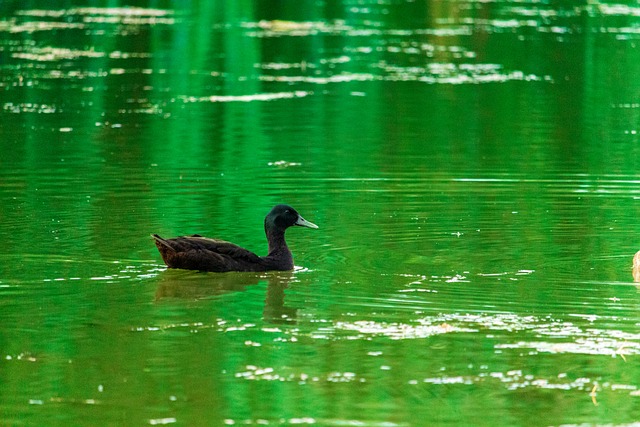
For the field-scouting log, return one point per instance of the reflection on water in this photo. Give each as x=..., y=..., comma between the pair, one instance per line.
x=373, y=49
x=474, y=164
x=187, y=284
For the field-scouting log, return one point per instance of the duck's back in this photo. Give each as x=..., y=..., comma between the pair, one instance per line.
x=205, y=254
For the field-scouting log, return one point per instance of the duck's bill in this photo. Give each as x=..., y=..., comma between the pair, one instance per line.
x=304, y=223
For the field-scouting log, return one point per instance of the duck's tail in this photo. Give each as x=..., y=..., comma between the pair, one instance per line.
x=160, y=241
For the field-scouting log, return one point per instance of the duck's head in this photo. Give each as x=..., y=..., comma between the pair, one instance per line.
x=282, y=217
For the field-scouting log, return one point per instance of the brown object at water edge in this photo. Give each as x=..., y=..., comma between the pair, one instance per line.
x=636, y=267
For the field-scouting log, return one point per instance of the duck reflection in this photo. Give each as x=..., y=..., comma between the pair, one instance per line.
x=189, y=285
x=636, y=267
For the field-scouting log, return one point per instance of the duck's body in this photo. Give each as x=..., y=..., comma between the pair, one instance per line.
x=205, y=254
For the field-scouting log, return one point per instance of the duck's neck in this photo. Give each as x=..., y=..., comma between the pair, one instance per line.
x=279, y=256
x=277, y=245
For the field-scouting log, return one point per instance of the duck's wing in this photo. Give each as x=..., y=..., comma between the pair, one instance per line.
x=199, y=243
x=202, y=253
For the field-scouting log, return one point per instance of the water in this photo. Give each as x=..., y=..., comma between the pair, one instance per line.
x=472, y=167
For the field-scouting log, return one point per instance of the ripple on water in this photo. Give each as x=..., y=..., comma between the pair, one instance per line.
x=248, y=98
x=507, y=331
x=315, y=421
x=79, y=270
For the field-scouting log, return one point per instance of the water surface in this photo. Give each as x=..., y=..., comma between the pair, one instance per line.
x=472, y=167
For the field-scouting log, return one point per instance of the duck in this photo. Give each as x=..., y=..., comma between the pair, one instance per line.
x=200, y=253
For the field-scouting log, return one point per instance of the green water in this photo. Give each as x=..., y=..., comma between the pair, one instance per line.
x=473, y=167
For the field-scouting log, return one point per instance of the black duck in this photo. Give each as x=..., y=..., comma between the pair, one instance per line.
x=205, y=254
